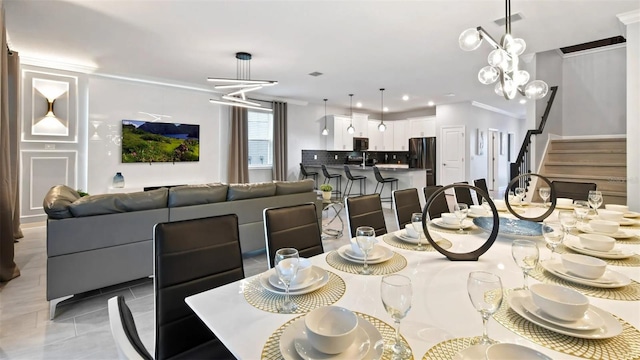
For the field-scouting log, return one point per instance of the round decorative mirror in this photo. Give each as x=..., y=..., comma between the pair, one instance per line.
x=524, y=180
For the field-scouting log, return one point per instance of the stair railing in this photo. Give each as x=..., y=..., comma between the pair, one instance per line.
x=522, y=165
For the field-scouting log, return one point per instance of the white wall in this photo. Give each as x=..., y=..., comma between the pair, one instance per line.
x=473, y=117
x=112, y=100
x=549, y=69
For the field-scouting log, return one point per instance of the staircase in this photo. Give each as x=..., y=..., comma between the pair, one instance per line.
x=601, y=161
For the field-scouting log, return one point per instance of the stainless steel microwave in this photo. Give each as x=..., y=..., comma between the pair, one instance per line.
x=360, y=144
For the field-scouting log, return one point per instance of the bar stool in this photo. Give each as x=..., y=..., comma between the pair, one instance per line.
x=327, y=179
x=306, y=174
x=351, y=179
x=384, y=180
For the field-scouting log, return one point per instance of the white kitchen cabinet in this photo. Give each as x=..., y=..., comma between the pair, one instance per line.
x=360, y=123
x=422, y=126
x=400, y=135
x=339, y=138
x=375, y=136
x=388, y=136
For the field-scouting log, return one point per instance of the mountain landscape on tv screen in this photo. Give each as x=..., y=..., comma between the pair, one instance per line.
x=144, y=141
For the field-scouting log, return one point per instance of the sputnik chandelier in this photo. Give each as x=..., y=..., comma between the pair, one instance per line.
x=503, y=62
x=241, y=85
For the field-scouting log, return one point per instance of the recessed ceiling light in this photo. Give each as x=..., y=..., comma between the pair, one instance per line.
x=523, y=101
x=405, y=97
x=386, y=109
x=359, y=104
x=450, y=94
x=430, y=103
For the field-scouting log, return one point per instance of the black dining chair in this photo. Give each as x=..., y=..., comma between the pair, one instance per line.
x=439, y=204
x=382, y=181
x=305, y=174
x=123, y=329
x=351, y=179
x=463, y=194
x=365, y=210
x=292, y=226
x=405, y=202
x=482, y=185
x=192, y=256
x=573, y=190
x=327, y=179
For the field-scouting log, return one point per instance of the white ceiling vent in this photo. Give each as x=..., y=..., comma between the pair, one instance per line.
x=514, y=17
x=315, y=73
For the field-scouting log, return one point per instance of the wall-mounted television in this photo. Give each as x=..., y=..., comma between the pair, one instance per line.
x=149, y=141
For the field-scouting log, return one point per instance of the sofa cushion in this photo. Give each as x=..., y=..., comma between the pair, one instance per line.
x=197, y=194
x=294, y=187
x=119, y=203
x=250, y=191
x=57, y=200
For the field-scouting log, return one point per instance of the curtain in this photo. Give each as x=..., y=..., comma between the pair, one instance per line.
x=238, y=168
x=9, y=205
x=279, y=140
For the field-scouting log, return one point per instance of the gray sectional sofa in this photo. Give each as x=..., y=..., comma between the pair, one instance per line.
x=102, y=240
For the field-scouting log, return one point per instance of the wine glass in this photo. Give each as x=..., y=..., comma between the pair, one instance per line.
x=396, y=292
x=553, y=235
x=581, y=209
x=595, y=199
x=568, y=220
x=286, y=264
x=526, y=255
x=485, y=292
x=519, y=193
x=460, y=210
x=416, y=221
x=544, y=193
x=366, y=238
x=485, y=205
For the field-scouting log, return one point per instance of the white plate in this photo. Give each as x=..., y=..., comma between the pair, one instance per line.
x=590, y=320
x=486, y=213
x=631, y=214
x=466, y=223
x=294, y=344
x=575, y=245
x=503, y=351
x=620, y=234
x=475, y=352
x=610, y=279
x=264, y=281
x=564, y=207
x=611, y=327
x=316, y=275
x=402, y=235
x=622, y=222
x=376, y=253
x=388, y=254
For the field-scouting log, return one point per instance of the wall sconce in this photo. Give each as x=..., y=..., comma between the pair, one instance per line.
x=50, y=108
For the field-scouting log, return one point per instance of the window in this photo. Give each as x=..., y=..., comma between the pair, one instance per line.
x=260, y=138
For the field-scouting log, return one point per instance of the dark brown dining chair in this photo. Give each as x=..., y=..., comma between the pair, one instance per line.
x=292, y=226
x=482, y=185
x=573, y=190
x=439, y=204
x=463, y=194
x=123, y=329
x=405, y=203
x=192, y=256
x=365, y=210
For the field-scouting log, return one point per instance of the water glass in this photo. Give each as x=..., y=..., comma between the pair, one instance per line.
x=366, y=238
x=519, y=193
x=396, y=292
x=460, y=210
x=416, y=222
x=286, y=263
x=568, y=220
x=581, y=208
x=526, y=255
x=485, y=292
x=544, y=193
x=595, y=199
x=553, y=234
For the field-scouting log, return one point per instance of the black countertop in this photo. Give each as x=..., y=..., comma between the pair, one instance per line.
x=384, y=167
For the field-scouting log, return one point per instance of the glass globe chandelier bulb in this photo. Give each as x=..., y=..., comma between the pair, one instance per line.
x=507, y=42
x=509, y=88
x=537, y=89
x=498, y=89
x=470, y=39
x=517, y=47
x=488, y=75
x=351, y=129
x=325, y=132
x=382, y=127
x=498, y=58
x=521, y=77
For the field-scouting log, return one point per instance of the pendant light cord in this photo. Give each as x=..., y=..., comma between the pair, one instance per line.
x=351, y=107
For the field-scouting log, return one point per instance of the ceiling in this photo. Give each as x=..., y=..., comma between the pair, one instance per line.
x=407, y=47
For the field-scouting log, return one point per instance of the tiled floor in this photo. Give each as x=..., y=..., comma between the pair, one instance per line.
x=81, y=327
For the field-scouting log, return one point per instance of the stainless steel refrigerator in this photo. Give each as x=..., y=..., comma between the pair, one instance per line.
x=422, y=155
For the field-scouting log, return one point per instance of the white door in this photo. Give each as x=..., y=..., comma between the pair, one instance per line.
x=493, y=151
x=452, y=154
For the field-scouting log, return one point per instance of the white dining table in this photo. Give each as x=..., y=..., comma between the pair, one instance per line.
x=440, y=310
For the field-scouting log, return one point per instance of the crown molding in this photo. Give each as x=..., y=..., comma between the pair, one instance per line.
x=495, y=110
x=57, y=64
x=630, y=17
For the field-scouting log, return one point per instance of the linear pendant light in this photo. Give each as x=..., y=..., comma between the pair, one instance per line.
x=351, y=129
x=241, y=85
x=325, y=132
x=382, y=126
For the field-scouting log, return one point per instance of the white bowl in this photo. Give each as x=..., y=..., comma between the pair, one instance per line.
x=597, y=242
x=331, y=329
x=503, y=351
x=411, y=231
x=610, y=215
x=558, y=301
x=616, y=207
x=584, y=266
x=477, y=210
x=304, y=271
x=449, y=218
x=564, y=202
x=500, y=204
x=604, y=226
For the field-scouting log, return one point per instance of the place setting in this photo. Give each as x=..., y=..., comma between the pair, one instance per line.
x=455, y=222
x=605, y=227
x=412, y=237
x=293, y=286
x=603, y=247
x=363, y=256
x=333, y=332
